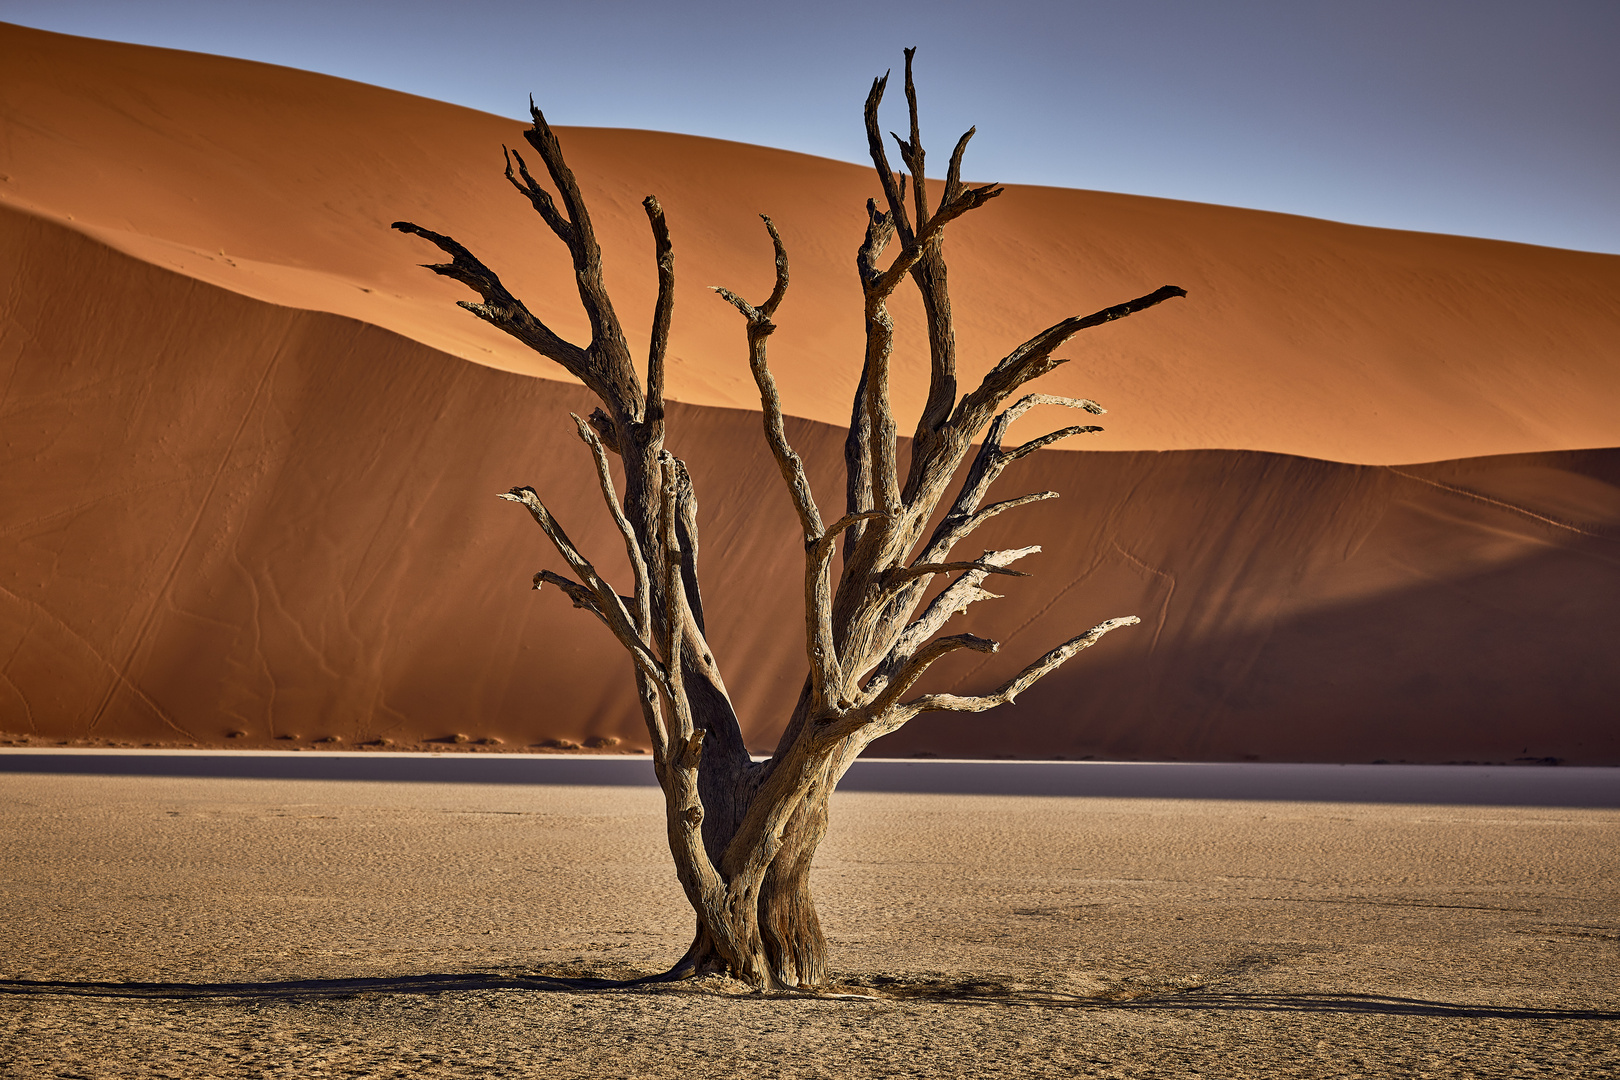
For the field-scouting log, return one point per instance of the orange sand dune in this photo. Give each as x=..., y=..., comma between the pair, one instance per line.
x=1300, y=336
x=253, y=491
x=220, y=515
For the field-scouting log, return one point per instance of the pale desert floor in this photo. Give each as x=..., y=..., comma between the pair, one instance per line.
x=197, y=927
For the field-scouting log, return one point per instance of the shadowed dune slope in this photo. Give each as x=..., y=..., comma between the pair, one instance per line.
x=247, y=471
x=1300, y=336
x=217, y=514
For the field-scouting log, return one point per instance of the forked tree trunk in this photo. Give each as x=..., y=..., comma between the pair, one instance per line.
x=744, y=834
x=790, y=943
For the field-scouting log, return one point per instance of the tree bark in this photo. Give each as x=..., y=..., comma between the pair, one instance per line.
x=790, y=940
x=744, y=834
x=794, y=942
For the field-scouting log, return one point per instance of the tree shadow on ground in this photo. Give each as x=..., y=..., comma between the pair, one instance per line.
x=1209, y=999
x=312, y=988
x=981, y=992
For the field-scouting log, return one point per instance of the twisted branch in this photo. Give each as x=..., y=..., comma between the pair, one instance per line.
x=912, y=253
x=953, y=600
x=682, y=760
x=682, y=726
x=538, y=196
x=826, y=672
x=880, y=230
x=686, y=529
x=500, y=308
x=893, y=186
x=911, y=152
x=579, y=594
x=915, y=667
x=988, y=465
x=918, y=570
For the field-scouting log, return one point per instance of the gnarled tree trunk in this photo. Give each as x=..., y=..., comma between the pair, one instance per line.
x=743, y=833
x=791, y=945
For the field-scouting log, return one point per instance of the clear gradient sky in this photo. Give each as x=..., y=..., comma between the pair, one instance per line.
x=1479, y=117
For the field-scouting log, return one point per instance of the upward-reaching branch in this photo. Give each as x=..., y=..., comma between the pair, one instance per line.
x=924, y=260
x=914, y=252
x=632, y=547
x=686, y=531
x=911, y=152
x=608, y=603
x=953, y=174
x=604, y=365
x=884, y=700
x=965, y=515
x=760, y=328
x=1033, y=358
x=879, y=419
x=681, y=727
x=607, y=337
x=858, y=442
x=628, y=424
x=880, y=456
x=538, y=196
x=663, y=311
x=893, y=189
x=954, y=599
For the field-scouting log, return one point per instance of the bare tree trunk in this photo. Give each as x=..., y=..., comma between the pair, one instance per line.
x=790, y=939
x=790, y=936
x=787, y=912
x=743, y=834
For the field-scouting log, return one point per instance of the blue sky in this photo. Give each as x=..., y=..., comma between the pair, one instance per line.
x=1481, y=117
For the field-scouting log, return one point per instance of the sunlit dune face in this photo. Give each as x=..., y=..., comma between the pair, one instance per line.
x=1299, y=336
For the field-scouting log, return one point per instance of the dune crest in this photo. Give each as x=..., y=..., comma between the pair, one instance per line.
x=1306, y=337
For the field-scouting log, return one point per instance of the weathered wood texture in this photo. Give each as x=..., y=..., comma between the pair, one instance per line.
x=743, y=834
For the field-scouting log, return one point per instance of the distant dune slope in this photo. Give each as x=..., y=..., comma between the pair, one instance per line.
x=1300, y=336
x=241, y=492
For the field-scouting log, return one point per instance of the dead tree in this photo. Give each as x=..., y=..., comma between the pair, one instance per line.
x=743, y=833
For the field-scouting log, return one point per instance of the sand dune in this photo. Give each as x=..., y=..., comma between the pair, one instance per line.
x=1301, y=336
x=247, y=476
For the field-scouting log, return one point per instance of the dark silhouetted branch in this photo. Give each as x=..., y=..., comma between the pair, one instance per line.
x=500, y=308
x=538, y=196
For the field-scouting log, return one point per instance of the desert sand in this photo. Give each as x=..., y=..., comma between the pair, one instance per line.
x=320, y=928
x=1360, y=486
